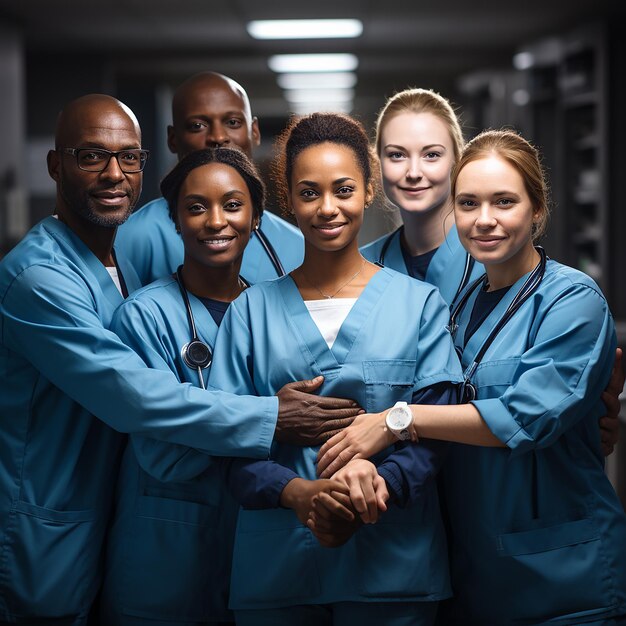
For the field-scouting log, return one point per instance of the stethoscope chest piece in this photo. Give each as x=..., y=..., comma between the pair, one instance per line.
x=196, y=354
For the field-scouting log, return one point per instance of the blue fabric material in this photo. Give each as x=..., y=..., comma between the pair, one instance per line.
x=445, y=270
x=169, y=549
x=538, y=533
x=60, y=369
x=154, y=248
x=268, y=338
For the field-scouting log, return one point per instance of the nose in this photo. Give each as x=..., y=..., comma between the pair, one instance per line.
x=217, y=136
x=485, y=218
x=414, y=171
x=113, y=171
x=327, y=207
x=216, y=219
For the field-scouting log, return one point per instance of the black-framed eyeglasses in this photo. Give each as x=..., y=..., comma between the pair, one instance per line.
x=97, y=159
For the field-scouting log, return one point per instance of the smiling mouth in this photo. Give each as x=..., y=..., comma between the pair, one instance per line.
x=487, y=241
x=110, y=198
x=413, y=189
x=330, y=229
x=216, y=242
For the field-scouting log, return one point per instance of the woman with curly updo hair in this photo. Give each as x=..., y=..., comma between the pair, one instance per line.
x=378, y=337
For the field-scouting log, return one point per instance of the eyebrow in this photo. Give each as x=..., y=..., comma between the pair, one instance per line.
x=225, y=114
x=98, y=146
x=228, y=194
x=497, y=193
x=312, y=183
x=428, y=147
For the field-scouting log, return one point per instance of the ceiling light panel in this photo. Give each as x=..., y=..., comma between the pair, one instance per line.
x=296, y=63
x=305, y=29
x=334, y=80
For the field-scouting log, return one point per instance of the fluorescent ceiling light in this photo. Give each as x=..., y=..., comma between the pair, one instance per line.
x=302, y=108
x=304, y=29
x=282, y=63
x=319, y=95
x=334, y=80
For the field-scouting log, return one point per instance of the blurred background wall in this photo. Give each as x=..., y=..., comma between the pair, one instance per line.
x=553, y=70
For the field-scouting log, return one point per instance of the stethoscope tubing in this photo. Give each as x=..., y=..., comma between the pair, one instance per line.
x=531, y=284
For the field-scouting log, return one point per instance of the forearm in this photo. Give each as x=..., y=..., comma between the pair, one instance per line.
x=461, y=423
x=257, y=484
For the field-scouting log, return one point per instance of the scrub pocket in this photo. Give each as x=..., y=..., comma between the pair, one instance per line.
x=50, y=561
x=565, y=558
x=493, y=378
x=387, y=382
x=274, y=561
x=177, y=559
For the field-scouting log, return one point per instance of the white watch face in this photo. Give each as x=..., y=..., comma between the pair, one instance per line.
x=399, y=418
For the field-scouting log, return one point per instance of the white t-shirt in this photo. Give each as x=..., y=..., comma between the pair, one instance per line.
x=329, y=314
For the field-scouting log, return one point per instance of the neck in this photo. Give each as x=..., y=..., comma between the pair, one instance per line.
x=99, y=239
x=327, y=271
x=425, y=231
x=505, y=274
x=216, y=283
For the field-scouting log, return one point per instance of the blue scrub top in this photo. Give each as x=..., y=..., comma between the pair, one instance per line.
x=538, y=533
x=67, y=385
x=150, y=241
x=268, y=338
x=169, y=550
x=445, y=270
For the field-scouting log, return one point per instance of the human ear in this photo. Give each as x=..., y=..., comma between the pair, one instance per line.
x=171, y=140
x=256, y=133
x=369, y=195
x=53, y=162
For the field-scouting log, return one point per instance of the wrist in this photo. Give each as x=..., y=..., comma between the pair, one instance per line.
x=399, y=421
x=291, y=493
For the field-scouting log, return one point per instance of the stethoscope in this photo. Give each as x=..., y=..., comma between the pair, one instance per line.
x=196, y=353
x=271, y=253
x=468, y=390
x=467, y=270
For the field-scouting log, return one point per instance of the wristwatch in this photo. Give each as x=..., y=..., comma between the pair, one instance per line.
x=398, y=419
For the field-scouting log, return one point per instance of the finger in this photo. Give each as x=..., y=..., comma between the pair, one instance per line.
x=335, y=439
x=616, y=383
x=330, y=450
x=306, y=386
x=607, y=449
x=371, y=500
x=382, y=494
x=609, y=425
x=359, y=501
x=343, y=458
x=328, y=507
x=339, y=423
x=331, y=404
x=612, y=404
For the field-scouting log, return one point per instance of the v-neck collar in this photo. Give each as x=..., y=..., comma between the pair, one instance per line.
x=84, y=256
x=307, y=332
x=480, y=335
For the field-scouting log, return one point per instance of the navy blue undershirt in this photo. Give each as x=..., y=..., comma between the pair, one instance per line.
x=486, y=301
x=417, y=266
x=216, y=308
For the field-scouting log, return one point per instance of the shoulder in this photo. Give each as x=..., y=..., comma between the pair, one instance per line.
x=157, y=294
x=36, y=257
x=372, y=249
x=561, y=278
x=412, y=285
x=272, y=224
x=150, y=210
